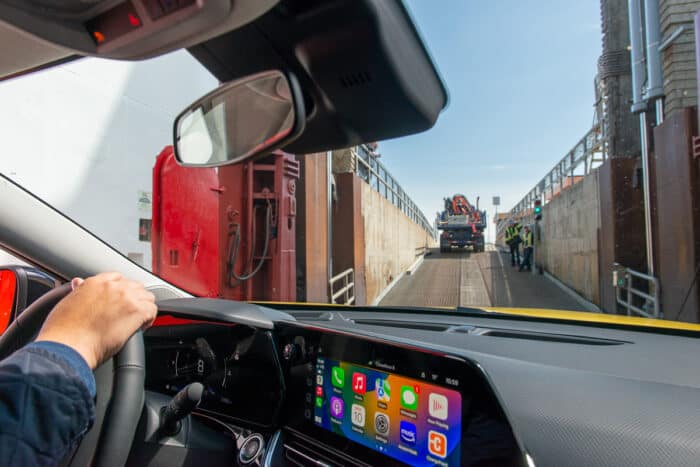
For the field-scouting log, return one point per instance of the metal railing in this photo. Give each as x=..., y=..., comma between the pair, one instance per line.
x=369, y=169
x=636, y=292
x=588, y=153
x=347, y=291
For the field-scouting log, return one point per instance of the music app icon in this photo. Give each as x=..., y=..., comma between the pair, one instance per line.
x=437, y=406
x=359, y=383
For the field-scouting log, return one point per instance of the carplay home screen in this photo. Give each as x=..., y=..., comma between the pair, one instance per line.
x=410, y=420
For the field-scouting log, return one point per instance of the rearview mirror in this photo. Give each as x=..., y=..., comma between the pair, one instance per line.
x=240, y=120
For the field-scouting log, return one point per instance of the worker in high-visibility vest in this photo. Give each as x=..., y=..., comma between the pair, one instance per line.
x=528, y=245
x=513, y=240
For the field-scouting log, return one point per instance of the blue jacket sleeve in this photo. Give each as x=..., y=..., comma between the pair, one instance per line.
x=46, y=404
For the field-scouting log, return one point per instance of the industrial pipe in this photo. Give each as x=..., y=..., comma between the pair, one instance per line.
x=646, y=191
x=652, y=27
x=639, y=105
x=636, y=55
x=329, y=220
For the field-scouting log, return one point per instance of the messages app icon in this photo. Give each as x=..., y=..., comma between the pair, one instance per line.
x=338, y=377
x=409, y=398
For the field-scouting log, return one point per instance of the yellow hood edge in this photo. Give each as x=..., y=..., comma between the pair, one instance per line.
x=579, y=316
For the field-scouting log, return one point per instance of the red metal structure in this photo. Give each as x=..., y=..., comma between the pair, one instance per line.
x=227, y=232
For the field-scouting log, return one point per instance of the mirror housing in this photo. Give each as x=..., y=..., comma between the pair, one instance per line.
x=20, y=286
x=240, y=120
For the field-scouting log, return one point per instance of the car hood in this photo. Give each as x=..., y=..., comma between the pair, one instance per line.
x=574, y=317
x=590, y=317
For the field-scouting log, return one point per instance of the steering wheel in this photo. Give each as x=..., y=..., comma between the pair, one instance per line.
x=119, y=381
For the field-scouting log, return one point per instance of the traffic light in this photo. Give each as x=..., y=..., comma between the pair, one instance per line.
x=538, y=209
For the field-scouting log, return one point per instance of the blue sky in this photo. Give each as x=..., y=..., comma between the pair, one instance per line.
x=520, y=77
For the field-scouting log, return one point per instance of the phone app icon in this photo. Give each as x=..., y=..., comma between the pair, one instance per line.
x=359, y=383
x=358, y=415
x=319, y=402
x=338, y=377
x=437, y=406
x=407, y=432
x=319, y=380
x=337, y=407
x=319, y=390
x=383, y=389
x=381, y=423
x=409, y=398
x=437, y=444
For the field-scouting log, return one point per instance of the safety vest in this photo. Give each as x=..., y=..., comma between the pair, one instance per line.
x=528, y=239
x=509, y=234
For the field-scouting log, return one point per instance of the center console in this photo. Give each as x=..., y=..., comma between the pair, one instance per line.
x=355, y=401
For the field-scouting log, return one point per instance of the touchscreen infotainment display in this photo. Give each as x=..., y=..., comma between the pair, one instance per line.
x=410, y=420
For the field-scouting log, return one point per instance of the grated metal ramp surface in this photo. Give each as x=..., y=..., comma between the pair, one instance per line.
x=463, y=278
x=435, y=283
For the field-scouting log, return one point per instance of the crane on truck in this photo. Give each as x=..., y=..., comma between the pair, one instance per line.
x=462, y=224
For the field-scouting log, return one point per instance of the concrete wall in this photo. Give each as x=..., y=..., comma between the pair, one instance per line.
x=391, y=240
x=569, y=245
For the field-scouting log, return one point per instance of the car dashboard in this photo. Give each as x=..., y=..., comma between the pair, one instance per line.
x=343, y=386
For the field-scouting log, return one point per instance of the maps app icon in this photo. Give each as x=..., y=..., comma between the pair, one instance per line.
x=383, y=389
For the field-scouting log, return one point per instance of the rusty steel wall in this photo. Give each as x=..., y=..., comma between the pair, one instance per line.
x=621, y=237
x=677, y=231
x=312, y=230
x=349, y=232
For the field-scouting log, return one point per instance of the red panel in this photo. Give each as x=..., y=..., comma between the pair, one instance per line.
x=198, y=213
x=169, y=320
x=185, y=241
x=8, y=286
x=248, y=191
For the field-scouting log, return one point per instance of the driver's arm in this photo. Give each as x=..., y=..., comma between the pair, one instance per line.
x=47, y=388
x=46, y=404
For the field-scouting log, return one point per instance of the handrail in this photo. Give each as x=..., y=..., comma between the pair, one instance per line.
x=348, y=279
x=624, y=281
x=369, y=169
x=590, y=151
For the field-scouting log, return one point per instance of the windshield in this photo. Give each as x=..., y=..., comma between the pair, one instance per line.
x=559, y=177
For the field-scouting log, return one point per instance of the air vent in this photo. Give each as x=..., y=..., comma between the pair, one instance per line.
x=351, y=80
x=541, y=336
x=303, y=451
x=491, y=332
x=299, y=456
x=313, y=315
x=164, y=293
x=419, y=325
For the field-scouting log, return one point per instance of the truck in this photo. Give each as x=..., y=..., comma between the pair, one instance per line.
x=462, y=224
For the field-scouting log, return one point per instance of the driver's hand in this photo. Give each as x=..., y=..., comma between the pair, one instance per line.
x=99, y=316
